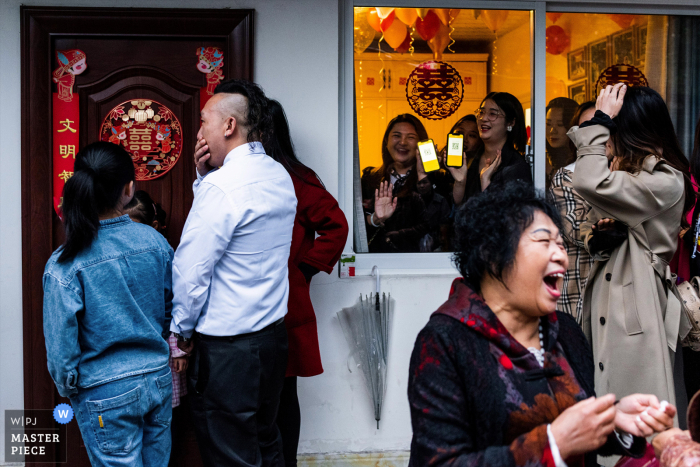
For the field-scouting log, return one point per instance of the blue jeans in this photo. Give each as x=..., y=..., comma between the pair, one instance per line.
x=127, y=422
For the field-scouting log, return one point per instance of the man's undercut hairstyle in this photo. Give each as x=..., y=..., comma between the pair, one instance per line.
x=489, y=226
x=256, y=119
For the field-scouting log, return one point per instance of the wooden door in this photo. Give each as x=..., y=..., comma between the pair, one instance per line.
x=131, y=54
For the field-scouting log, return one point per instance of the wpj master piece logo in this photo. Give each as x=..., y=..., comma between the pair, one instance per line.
x=37, y=435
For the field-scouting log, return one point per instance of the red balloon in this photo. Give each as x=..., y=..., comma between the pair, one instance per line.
x=386, y=22
x=428, y=26
x=405, y=45
x=557, y=40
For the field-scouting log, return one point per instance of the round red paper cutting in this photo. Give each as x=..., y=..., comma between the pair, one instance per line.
x=149, y=131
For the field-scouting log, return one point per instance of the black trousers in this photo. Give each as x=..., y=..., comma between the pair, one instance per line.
x=234, y=389
x=289, y=421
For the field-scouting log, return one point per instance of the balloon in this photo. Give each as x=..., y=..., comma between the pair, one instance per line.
x=364, y=34
x=395, y=35
x=557, y=40
x=494, y=19
x=407, y=15
x=443, y=14
x=384, y=12
x=428, y=26
x=439, y=42
x=553, y=17
x=422, y=12
x=373, y=20
x=624, y=21
x=387, y=22
x=405, y=45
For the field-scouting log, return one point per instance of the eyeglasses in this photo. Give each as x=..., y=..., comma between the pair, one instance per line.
x=490, y=115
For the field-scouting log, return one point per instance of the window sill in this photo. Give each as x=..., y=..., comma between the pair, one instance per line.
x=405, y=264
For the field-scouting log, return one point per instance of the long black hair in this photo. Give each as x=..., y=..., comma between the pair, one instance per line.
x=644, y=127
x=101, y=171
x=511, y=106
x=280, y=146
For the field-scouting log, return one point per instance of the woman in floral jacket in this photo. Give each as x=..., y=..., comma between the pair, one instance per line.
x=497, y=377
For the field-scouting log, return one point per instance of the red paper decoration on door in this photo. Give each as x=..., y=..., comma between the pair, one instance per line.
x=149, y=131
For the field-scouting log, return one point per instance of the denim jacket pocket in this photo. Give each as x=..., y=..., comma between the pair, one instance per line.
x=116, y=421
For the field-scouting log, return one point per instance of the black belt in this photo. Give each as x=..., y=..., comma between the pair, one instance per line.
x=205, y=337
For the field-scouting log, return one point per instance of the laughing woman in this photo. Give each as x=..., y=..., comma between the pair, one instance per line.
x=497, y=377
x=394, y=212
x=501, y=124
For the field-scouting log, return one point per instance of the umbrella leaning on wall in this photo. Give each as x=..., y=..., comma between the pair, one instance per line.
x=366, y=329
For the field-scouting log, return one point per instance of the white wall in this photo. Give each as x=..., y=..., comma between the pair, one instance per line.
x=296, y=61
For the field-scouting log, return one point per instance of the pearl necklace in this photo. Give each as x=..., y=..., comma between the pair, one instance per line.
x=539, y=353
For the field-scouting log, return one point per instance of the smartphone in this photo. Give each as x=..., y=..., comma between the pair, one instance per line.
x=428, y=155
x=454, y=150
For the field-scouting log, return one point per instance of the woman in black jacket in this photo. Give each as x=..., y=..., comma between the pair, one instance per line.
x=501, y=124
x=497, y=378
x=394, y=212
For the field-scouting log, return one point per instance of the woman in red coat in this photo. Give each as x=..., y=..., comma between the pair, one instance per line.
x=317, y=213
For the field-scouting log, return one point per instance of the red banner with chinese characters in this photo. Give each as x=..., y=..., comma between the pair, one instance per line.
x=65, y=144
x=66, y=118
x=211, y=62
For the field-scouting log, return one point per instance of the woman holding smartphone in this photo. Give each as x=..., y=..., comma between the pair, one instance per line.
x=394, y=211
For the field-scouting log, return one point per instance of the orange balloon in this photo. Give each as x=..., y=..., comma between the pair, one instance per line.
x=407, y=15
x=384, y=12
x=422, y=12
x=443, y=14
x=438, y=43
x=373, y=20
x=494, y=19
x=385, y=23
x=553, y=17
x=395, y=34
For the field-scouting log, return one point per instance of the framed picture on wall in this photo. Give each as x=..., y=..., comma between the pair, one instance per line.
x=640, y=43
x=579, y=91
x=598, y=58
x=577, y=64
x=623, y=47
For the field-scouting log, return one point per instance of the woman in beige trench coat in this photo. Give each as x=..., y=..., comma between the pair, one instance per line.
x=630, y=313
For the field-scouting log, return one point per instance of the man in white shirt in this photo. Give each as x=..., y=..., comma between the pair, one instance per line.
x=230, y=282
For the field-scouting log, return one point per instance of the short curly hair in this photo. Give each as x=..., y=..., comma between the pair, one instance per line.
x=488, y=228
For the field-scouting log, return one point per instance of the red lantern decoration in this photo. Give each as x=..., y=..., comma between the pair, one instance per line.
x=557, y=40
x=428, y=26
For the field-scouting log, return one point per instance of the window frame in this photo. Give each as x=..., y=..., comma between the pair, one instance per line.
x=441, y=263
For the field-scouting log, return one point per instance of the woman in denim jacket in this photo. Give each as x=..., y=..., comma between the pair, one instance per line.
x=107, y=305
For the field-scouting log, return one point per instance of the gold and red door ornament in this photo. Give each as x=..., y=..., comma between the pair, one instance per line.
x=434, y=90
x=211, y=62
x=149, y=131
x=621, y=73
x=66, y=119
